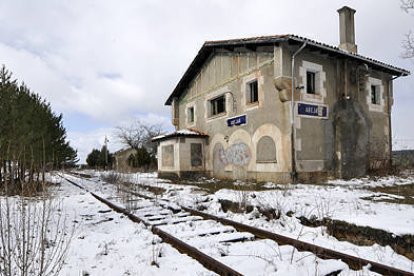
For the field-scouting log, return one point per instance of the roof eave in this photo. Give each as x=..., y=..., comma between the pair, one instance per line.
x=382, y=66
x=208, y=47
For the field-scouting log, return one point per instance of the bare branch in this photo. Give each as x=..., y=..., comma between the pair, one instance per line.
x=139, y=134
x=133, y=135
x=407, y=5
x=408, y=45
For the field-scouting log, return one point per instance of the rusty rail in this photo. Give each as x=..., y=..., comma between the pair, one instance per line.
x=322, y=252
x=212, y=264
x=205, y=260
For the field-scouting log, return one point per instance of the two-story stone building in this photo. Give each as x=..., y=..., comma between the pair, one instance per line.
x=239, y=115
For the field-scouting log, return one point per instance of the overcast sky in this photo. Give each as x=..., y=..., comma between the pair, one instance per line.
x=105, y=63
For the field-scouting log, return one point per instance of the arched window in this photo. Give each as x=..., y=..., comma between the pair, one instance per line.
x=266, y=150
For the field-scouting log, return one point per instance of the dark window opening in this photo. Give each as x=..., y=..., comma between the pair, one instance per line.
x=218, y=105
x=374, y=94
x=310, y=82
x=190, y=114
x=252, y=92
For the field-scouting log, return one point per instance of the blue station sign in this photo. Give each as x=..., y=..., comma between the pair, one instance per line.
x=236, y=121
x=312, y=110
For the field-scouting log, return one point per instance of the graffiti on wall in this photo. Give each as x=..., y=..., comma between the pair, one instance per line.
x=237, y=154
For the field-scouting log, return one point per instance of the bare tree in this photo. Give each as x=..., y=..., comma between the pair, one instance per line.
x=139, y=135
x=407, y=5
x=408, y=42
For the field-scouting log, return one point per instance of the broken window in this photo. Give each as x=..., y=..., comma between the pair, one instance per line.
x=196, y=155
x=218, y=105
x=310, y=82
x=252, y=92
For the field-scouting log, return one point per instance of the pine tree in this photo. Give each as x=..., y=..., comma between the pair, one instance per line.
x=32, y=137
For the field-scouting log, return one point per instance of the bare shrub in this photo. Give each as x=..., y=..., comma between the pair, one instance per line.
x=33, y=236
x=112, y=177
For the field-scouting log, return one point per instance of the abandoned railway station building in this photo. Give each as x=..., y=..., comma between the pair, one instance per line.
x=281, y=108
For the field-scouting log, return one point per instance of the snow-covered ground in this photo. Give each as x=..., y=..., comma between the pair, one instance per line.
x=107, y=243
x=340, y=200
x=109, y=235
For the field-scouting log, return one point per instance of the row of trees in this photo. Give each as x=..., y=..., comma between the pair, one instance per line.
x=34, y=237
x=100, y=158
x=32, y=136
x=136, y=136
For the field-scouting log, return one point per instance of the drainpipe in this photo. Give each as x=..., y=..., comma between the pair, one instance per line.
x=292, y=117
x=390, y=87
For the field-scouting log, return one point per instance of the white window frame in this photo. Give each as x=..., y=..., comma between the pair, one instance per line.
x=211, y=107
x=245, y=104
x=320, y=78
x=223, y=91
x=375, y=107
x=249, y=92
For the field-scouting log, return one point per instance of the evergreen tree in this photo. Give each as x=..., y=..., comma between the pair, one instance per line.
x=141, y=159
x=32, y=136
x=100, y=158
x=93, y=158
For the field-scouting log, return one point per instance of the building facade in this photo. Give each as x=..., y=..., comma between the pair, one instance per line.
x=123, y=160
x=281, y=108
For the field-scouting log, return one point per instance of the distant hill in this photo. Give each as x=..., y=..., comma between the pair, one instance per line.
x=403, y=158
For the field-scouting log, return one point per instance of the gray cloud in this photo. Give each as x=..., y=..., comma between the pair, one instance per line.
x=112, y=60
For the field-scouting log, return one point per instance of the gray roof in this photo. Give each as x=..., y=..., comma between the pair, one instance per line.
x=252, y=42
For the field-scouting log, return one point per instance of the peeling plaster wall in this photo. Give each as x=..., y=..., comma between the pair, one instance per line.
x=315, y=136
x=321, y=144
x=232, y=150
x=122, y=161
x=178, y=161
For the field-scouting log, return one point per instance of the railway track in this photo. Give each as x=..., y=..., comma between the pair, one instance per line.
x=179, y=226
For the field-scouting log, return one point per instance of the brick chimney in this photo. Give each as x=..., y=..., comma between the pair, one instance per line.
x=347, y=29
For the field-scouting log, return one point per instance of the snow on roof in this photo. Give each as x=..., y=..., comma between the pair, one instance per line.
x=180, y=133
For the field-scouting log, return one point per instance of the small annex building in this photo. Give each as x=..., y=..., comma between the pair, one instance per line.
x=122, y=160
x=281, y=108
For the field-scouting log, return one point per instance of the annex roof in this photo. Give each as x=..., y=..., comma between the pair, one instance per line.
x=209, y=46
x=181, y=133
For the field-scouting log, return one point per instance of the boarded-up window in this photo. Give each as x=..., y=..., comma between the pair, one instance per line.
x=266, y=150
x=196, y=155
x=168, y=156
